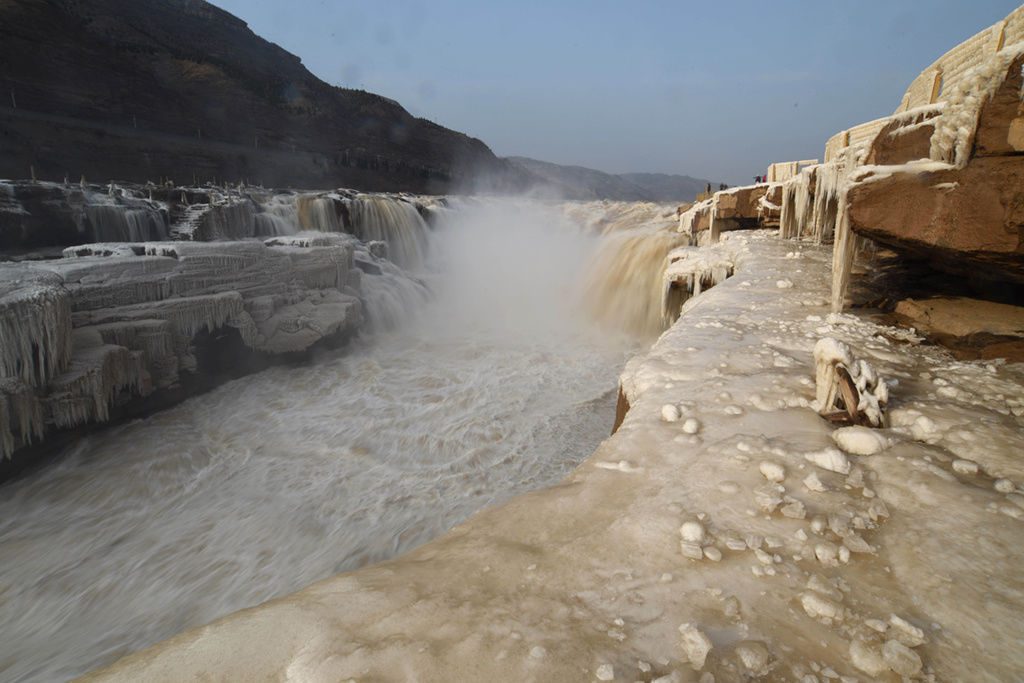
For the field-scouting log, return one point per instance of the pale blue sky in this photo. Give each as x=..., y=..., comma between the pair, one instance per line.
x=712, y=89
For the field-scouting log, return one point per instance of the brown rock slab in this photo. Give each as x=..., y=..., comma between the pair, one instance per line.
x=903, y=139
x=971, y=327
x=1001, y=121
x=966, y=221
x=740, y=205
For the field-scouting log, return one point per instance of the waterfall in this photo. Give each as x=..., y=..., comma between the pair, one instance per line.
x=277, y=216
x=118, y=223
x=394, y=221
x=322, y=213
x=624, y=287
x=391, y=297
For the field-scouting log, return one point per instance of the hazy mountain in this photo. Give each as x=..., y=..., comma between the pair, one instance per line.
x=148, y=89
x=577, y=182
x=667, y=188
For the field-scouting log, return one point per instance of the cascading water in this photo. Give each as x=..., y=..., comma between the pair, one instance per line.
x=393, y=221
x=492, y=385
x=117, y=223
x=624, y=288
x=278, y=215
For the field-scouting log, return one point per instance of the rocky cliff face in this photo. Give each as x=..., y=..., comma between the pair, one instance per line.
x=148, y=89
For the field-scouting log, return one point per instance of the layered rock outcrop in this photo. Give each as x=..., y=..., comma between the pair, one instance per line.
x=111, y=324
x=941, y=179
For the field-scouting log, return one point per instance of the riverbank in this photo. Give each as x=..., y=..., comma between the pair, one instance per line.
x=903, y=563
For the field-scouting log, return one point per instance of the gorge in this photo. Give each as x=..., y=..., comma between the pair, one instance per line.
x=418, y=483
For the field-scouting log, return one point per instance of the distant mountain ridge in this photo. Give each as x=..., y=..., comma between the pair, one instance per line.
x=143, y=90
x=578, y=182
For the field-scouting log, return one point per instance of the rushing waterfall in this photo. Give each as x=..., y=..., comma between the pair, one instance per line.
x=118, y=223
x=624, y=286
x=370, y=218
x=396, y=222
x=478, y=381
x=278, y=215
x=327, y=213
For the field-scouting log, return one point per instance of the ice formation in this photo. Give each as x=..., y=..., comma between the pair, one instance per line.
x=690, y=271
x=112, y=320
x=843, y=383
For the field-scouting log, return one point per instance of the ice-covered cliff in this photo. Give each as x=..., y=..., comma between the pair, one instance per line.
x=121, y=326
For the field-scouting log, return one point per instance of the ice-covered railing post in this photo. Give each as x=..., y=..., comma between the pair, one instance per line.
x=847, y=390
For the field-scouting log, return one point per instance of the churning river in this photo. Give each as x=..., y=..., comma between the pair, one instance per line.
x=492, y=384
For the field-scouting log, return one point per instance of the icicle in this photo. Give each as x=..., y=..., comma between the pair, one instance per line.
x=713, y=228
x=688, y=273
x=35, y=329
x=21, y=416
x=87, y=390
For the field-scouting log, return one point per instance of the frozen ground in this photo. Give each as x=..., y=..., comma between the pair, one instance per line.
x=815, y=564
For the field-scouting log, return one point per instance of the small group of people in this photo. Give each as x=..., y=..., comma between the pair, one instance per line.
x=758, y=179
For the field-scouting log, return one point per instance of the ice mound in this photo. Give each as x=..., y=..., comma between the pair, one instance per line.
x=845, y=385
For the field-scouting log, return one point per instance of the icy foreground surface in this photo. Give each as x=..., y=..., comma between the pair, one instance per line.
x=814, y=562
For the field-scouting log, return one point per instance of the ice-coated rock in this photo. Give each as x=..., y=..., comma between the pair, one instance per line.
x=867, y=658
x=1004, y=486
x=695, y=644
x=813, y=483
x=692, y=531
x=826, y=553
x=905, y=632
x=691, y=425
x=605, y=672
x=713, y=553
x=820, y=607
x=754, y=657
x=965, y=467
x=794, y=509
x=113, y=323
x=772, y=471
x=871, y=391
x=831, y=459
x=901, y=658
x=670, y=413
x=861, y=440
x=691, y=550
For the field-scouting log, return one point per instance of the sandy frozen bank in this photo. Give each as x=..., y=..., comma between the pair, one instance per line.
x=907, y=563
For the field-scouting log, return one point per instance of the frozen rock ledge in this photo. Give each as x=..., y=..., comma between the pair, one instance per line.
x=113, y=328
